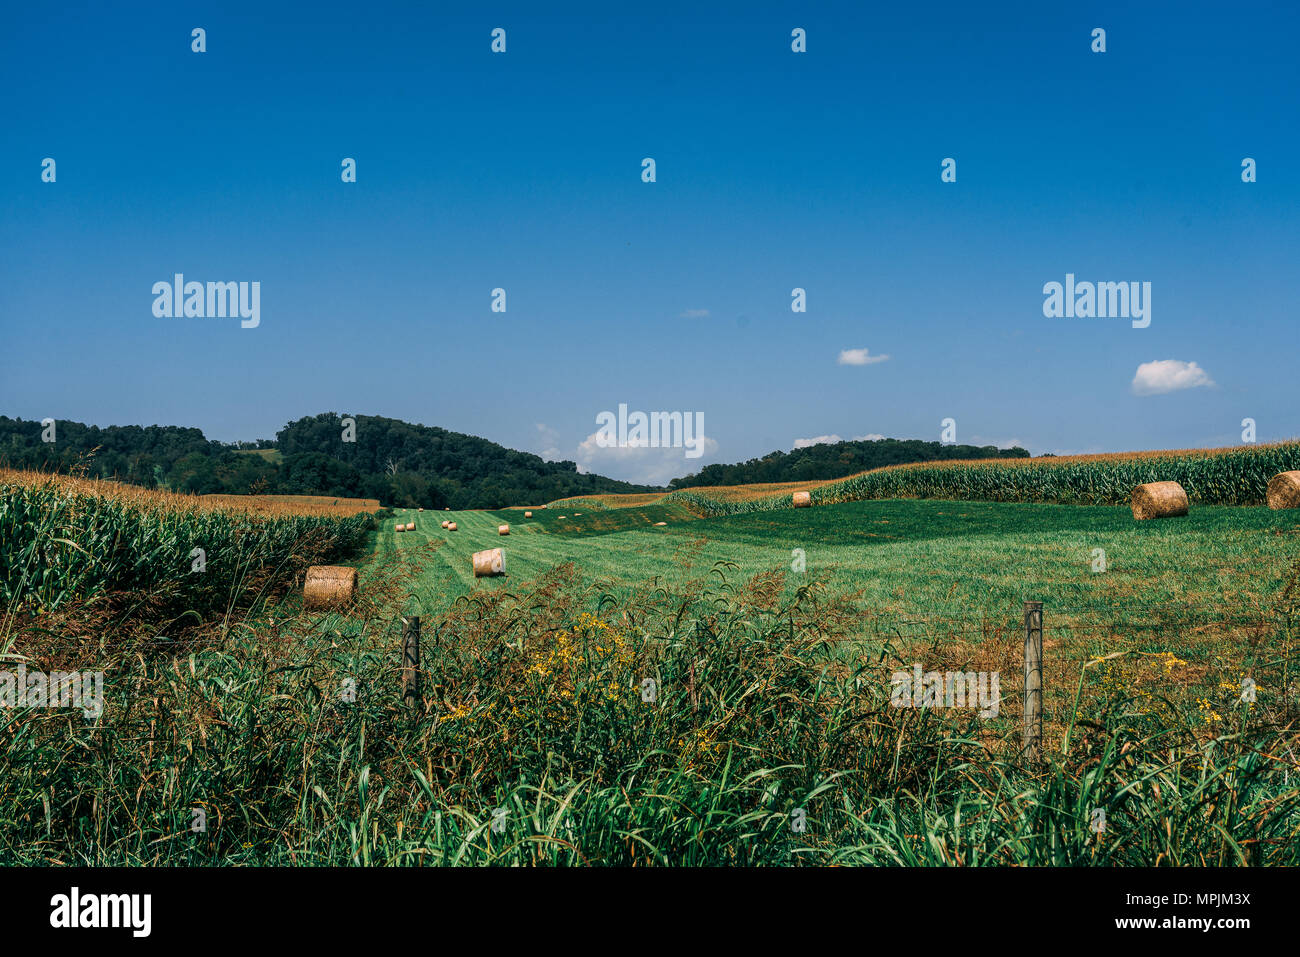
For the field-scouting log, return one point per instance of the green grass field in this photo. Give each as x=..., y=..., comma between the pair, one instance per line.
x=954, y=559
x=946, y=581
x=770, y=639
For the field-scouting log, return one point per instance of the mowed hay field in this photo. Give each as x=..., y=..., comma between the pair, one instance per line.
x=725, y=493
x=1184, y=602
x=968, y=561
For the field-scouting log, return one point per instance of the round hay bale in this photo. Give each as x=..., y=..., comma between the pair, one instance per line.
x=410, y=526
x=489, y=563
x=528, y=514
x=1159, y=500
x=802, y=499
x=445, y=523
x=660, y=523
x=564, y=516
x=329, y=586
x=1284, y=490
x=401, y=527
x=545, y=506
x=421, y=509
x=451, y=526
x=503, y=529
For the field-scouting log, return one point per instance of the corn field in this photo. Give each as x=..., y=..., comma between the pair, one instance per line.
x=65, y=544
x=1235, y=476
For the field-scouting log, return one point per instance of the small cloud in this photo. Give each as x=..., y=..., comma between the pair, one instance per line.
x=817, y=440
x=695, y=314
x=1168, y=375
x=550, y=440
x=859, y=357
x=1011, y=443
x=833, y=438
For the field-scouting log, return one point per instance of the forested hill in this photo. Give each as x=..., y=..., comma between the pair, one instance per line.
x=396, y=462
x=831, y=460
x=463, y=470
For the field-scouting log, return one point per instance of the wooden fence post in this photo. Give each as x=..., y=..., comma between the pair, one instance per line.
x=411, y=661
x=1033, y=734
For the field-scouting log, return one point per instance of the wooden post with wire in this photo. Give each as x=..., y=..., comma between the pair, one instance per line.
x=411, y=661
x=1033, y=732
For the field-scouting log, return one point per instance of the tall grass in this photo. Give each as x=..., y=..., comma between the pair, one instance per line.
x=540, y=742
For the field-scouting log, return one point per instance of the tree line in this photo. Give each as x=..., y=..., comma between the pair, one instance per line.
x=832, y=460
x=396, y=462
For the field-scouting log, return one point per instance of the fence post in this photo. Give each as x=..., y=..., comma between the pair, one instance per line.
x=411, y=661
x=1033, y=734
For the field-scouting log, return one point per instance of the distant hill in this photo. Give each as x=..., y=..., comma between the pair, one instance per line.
x=832, y=460
x=393, y=461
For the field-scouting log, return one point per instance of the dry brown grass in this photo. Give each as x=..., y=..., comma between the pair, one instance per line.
x=612, y=499
x=270, y=506
x=743, y=493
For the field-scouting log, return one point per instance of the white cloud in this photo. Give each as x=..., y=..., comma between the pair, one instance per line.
x=1168, y=375
x=859, y=357
x=833, y=438
x=695, y=314
x=997, y=443
x=817, y=440
x=550, y=440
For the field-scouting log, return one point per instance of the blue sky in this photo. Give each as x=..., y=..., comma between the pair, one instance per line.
x=775, y=170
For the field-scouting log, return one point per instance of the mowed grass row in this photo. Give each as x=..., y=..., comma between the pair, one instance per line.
x=534, y=546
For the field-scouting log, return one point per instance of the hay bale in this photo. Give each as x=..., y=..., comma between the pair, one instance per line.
x=545, y=506
x=410, y=526
x=1284, y=490
x=329, y=586
x=489, y=563
x=660, y=523
x=528, y=514
x=503, y=529
x=1159, y=500
x=564, y=516
x=451, y=526
x=802, y=499
x=445, y=523
x=401, y=527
